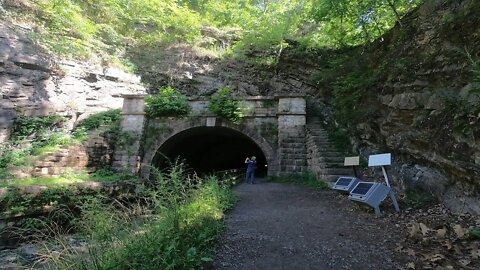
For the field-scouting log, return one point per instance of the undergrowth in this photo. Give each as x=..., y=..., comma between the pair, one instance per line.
x=78, y=176
x=184, y=220
x=36, y=136
x=33, y=136
x=417, y=198
x=96, y=120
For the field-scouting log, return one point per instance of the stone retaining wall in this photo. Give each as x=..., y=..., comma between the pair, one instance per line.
x=96, y=153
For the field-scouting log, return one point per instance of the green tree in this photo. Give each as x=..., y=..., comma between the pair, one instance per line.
x=85, y=27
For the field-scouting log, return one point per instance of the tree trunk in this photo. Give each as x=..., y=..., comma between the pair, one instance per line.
x=392, y=6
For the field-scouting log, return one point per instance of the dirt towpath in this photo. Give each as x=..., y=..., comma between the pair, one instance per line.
x=282, y=226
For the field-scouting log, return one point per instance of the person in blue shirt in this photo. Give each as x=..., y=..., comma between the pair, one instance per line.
x=251, y=162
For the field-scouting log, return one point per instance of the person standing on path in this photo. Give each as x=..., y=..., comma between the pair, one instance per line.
x=250, y=178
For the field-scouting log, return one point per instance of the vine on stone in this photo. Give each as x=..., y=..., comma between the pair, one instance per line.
x=168, y=102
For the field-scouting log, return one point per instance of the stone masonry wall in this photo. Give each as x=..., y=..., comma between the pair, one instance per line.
x=94, y=154
x=261, y=123
x=292, y=152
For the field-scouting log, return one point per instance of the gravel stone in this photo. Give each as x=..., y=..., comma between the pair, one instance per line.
x=281, y=226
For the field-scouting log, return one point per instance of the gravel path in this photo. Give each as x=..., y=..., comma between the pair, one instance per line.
x=282, y=226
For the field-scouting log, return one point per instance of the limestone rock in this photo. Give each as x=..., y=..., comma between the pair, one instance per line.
x=35, y=83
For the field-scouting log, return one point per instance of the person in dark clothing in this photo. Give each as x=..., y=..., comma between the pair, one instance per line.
x=251, y=163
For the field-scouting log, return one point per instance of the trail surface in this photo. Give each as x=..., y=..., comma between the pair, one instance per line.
x=282, y=226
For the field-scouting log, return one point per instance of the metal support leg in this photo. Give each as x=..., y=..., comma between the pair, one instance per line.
x=377, y=211
x=394, y=200
x=392, y=194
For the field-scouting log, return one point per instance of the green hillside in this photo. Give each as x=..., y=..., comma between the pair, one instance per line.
x=107, y=29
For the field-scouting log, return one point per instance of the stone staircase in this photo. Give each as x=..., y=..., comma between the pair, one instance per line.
x=72, y=158
x=322, y=157
x=66, y=159
x=77, y=157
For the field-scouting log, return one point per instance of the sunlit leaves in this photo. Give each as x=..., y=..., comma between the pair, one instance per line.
x=264, y=24
x=352, y=22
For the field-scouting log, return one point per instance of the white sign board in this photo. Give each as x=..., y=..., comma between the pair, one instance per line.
x=352, y=161
x=380, y=160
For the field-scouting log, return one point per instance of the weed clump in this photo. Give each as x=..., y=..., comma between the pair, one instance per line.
x=180, y=218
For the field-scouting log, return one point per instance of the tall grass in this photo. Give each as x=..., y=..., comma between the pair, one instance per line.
x=71, y=177
x=187, y=218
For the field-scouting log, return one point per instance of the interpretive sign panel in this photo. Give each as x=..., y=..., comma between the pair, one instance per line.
x=380, y=160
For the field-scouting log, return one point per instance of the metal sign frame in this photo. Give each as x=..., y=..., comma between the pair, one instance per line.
x=376, y=193
x=382, y=160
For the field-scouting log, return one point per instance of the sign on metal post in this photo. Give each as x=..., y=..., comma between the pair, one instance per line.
x=352, y=161
x=347, y=183
x=383, y=160
x=380, y=160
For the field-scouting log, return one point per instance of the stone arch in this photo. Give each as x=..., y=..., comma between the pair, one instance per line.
x=177, y=126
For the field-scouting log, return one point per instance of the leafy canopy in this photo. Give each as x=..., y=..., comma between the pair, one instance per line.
x=81, y=28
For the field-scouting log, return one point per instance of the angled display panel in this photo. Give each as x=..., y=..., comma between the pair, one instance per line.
x=370, y=193
x=346, y=183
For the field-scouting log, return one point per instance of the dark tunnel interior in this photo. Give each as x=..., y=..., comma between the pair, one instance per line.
x=210, y=149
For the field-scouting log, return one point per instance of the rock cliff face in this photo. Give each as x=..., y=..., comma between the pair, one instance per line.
x=426, y=112
x=415, y=95
x=35, y=83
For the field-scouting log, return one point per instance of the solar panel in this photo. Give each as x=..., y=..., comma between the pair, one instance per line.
x=345, y=183
x=362, y=188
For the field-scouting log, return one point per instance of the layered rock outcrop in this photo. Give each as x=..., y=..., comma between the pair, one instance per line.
x=32, y=82
x=427, y=112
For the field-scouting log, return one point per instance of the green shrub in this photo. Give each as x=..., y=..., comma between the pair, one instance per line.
x=181, y=237
x=65, y=17
x=168, y=102
x=96, y=120
x=108, y=35
x=24, y=126
x=223, y=105
x=417, y=198
x=474, y=234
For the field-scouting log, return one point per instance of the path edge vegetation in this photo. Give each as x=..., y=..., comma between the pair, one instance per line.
x=170, y=222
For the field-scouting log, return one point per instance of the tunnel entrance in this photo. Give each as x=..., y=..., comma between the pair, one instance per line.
x=210, y=149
